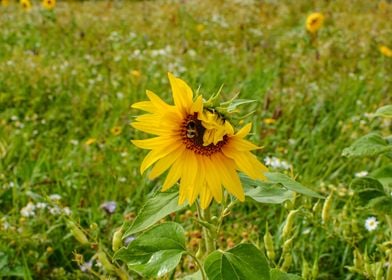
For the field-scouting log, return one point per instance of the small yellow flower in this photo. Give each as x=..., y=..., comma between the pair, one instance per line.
x=116, y=130
x=269, y=121
x=385, y=51
x=200, y=28
x=314, y=22
x=5, y=3
x=49, y=4
x=136, y=73
x=90, y=141
x=26, y=5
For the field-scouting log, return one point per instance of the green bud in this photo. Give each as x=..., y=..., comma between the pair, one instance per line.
x=287, y=260
x=315, y=269
x=77, y=233
x=289, y=224
x=103, y=259
x=269, y=245
x=326, y=208
x=117, y=239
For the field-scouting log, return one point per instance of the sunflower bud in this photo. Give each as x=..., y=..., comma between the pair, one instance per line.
x=315, y=269
x=269, y=245
x=326, y=208
x=77, y=233
x=287, y=245
x=289, y=224
x=117, y=239
x=305, y=269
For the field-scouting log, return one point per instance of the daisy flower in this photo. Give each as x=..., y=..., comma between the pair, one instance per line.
x=371, y=223
x=196, y=144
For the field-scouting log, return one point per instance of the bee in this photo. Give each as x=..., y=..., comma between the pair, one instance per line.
x=191, y=131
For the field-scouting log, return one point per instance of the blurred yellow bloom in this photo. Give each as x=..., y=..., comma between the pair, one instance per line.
x=90, y=141
x=5, y=3
x=269, y=121
x=383, y=5
x=26, y=5
x=136, y=73
x=49, y=4
x=200, y=28
x=385, y=51
x=314, y=22
x=116, y=130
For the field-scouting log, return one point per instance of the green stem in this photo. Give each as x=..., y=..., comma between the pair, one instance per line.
x=207, y=234
x=203, y=273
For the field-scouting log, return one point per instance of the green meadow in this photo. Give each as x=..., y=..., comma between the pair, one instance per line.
x=68, y=171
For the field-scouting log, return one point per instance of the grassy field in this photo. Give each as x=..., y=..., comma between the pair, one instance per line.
x=69, y=76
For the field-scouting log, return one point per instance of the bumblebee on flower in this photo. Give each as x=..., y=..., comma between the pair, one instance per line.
x=196, y=144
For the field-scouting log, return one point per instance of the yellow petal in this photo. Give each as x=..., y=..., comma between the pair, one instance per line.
x=205, y=197
x=154, y=143
x=188, y=184
x=182, y=94
x=157, y=154
x=244, y=131
x=164, y=163
x=145, y=106
x=213, y=179
x=197, y=106
x=157, y=101
x=229, y=176
x=174, y=175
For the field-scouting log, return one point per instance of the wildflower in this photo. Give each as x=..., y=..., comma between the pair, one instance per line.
x=276, y=163
x=385, y=51
x=361, y=174
x=49, y=4
x=109, y=206
x=314, y=22
x=90, y=141
x=198, y=146
x=54, y=197
x=136, y=73
x=28, y=210
x=116, y=130
x=269, y=121
x=371, y=223
x=86, y=266
x=200, y=27
x=55, y=211
x=41, y=205
x=67, y=211
x=26, y=5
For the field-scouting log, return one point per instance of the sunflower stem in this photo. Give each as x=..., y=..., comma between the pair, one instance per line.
x=207, y=234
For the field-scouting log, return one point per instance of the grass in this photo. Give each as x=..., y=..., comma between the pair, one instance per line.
x=68, y=77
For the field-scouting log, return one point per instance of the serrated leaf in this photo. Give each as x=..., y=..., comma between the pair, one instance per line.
x=385, y=111
x=367, y=188
x=156, y=251
x=155, y=209
x=276, y=274
x=382, y=204
x=265, y=192
x=243, y=262
x=287, y=182
x=369, y=145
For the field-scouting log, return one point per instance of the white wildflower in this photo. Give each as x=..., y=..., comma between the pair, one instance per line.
x=361, y=174
x=28, y=210
x=54, y=197
x=371, y=223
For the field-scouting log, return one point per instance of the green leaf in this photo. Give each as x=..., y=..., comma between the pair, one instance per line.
x=384, y=175
x=276, y=274
x=367, y=188
x=243, y=262
x=368, y=145
x=265, y=192
x=385, y=112
x=287, y=182
x=382, y=204
x=155, y=209
x=156, y=251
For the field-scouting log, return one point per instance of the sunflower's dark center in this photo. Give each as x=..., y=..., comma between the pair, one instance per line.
x=314, y=21
x=192, y=132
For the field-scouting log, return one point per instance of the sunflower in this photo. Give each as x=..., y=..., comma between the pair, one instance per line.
x=314, y=22
x=5, y=3
x=26, y=5
x=385, y=51
x=49, y=4
x=197, y=145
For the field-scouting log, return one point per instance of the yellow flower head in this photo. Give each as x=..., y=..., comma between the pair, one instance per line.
x=385, y=51
x=48, y=4
x=314, y=22
x=26, y=5
x=197, y=146
x=116, y=130
x=5, y=3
